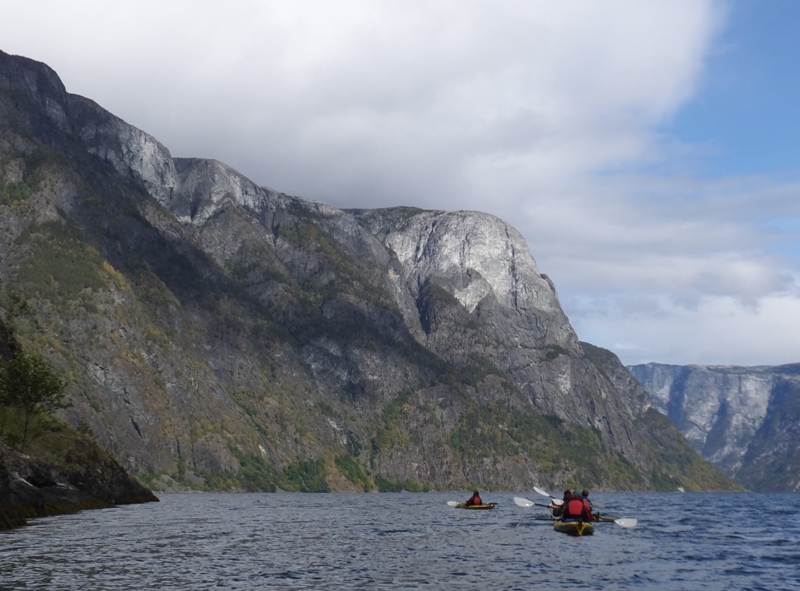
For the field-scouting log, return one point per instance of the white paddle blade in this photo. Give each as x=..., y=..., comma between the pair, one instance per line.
x=452, y=503
x=626, y=522
x=523, y=502
x=544, y=493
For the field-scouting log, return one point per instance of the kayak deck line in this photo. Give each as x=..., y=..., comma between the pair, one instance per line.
x=484, y=506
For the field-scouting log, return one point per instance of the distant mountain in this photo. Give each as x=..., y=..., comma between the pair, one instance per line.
x=746, y=420
x=221, y=335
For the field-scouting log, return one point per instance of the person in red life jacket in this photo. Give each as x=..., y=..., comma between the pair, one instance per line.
x=587, y=503
x=558, y=509
x=475, y=499
x=576, y=510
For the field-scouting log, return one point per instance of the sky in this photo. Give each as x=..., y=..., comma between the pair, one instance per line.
x=647, y=151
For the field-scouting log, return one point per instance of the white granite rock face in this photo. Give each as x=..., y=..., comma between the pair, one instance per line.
x=484, y=263
x=482, y=252
x=129, y=150
x=720, y=409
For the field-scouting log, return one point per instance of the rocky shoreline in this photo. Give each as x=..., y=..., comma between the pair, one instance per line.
x=85, y=478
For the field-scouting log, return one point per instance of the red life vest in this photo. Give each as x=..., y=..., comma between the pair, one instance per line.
x=475, y=500
x=575, y=508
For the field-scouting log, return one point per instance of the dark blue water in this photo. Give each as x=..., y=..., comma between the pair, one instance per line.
x=193, y=542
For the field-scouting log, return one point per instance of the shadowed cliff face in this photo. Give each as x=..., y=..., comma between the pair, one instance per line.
x=225, y=335
x=84, y=477
x=61, y=471
x=743, y=419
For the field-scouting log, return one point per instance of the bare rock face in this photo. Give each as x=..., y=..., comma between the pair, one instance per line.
x=84, y=478
x=483, y=263
x=739, y=418
x=225, y=335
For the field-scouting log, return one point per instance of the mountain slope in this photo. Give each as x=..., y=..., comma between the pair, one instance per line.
x=60, y=471
x=218, y=334
x=743, y=419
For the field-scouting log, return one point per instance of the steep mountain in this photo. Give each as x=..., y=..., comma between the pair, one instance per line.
x=218, y=334
x=61, y=470
x=745, y=420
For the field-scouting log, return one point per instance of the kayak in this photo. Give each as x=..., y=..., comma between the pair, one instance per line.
x=485, y=506
x=573, y=528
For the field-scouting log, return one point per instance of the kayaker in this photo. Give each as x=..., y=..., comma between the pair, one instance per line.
x=586, y=501
x=558, y=509
x=576, y=510
x=475, y=499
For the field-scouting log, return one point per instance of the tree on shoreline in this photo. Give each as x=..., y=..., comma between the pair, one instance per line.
x=28, y=385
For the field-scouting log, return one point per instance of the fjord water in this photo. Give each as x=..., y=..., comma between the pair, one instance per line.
x=193, y=542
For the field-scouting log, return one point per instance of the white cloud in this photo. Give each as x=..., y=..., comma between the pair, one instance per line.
x=548, y=113
x=547, y=89
x=720, y=330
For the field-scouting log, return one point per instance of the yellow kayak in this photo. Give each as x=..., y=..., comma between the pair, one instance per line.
x=573, y=528
x=484, y=506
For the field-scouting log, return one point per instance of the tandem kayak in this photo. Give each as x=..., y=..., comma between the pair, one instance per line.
x=485, y=506
x=573, y=528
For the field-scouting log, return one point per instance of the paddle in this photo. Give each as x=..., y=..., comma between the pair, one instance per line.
x=622, y=522
x=605, y=517
x=523, y=502
x=452, y=503
x=544, y=493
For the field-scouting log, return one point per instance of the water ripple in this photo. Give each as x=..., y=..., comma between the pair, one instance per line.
x=194, y=542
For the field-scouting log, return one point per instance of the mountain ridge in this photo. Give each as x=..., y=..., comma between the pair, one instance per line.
x=222, y=335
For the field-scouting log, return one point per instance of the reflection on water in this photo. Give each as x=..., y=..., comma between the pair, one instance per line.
x=193, y=542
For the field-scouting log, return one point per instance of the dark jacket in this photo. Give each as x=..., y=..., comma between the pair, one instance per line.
x=474, y=500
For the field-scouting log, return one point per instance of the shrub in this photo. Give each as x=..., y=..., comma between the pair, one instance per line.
x=29, y=385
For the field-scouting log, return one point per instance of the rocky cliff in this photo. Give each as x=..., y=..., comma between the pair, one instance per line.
x=80, y=476
x=746, y=420
x=218, y=334
x=61, y=470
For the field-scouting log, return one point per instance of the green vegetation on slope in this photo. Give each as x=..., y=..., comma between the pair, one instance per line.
x=677, y=464
x=496, y=429
x=28, y=390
